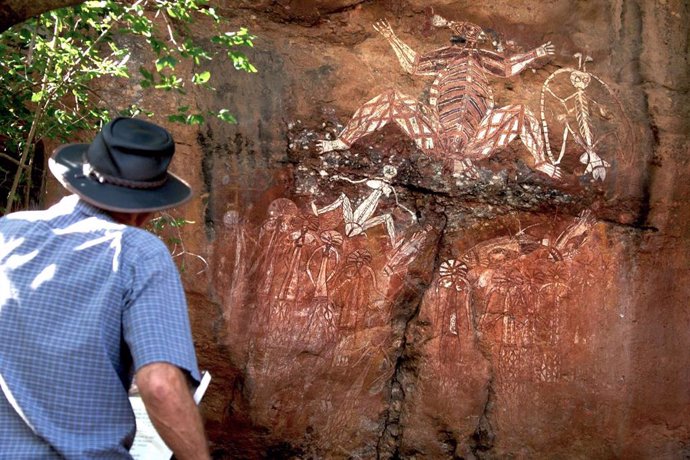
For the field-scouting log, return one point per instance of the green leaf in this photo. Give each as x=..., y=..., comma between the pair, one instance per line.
x=165, y=61
x=36, y=97
x=201, y=78
x=226, y=116
x=211, y=12
x=147, y=75
x=156, y=45
x=195, y=119
x=177, y=118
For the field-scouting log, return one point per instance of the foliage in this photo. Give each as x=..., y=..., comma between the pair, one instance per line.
x=169, y=229
x=49, y=64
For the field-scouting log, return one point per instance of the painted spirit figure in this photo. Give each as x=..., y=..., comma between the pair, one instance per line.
x=359, y=220
x=460, y=122
x=577, y=110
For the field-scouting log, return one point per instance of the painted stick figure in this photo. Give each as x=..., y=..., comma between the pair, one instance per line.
x=578, y=105
x=304, y=236
x=360, y=220
x=331, y=241
x=354, y=293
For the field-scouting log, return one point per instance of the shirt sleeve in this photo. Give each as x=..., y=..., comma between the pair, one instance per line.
x=155, y=320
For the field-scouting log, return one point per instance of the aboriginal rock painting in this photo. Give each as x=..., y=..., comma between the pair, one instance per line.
x=460, y=123
x=325, y=272
x=503, y=321
x=588, y=121
x=508, y=293
x=460, y=120
x=321, y=281
x=362, y=218
x=334, y=285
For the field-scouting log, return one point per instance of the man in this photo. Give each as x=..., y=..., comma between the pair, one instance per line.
x=88, y=299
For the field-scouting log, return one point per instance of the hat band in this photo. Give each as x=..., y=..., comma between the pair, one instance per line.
x=103, y=178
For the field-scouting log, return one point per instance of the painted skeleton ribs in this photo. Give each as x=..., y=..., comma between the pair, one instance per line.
x=460, y=121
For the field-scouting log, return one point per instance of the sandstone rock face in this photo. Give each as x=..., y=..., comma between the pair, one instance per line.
x=388, y=299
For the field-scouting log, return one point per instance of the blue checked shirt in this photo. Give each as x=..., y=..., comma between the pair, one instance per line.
x=84, y=303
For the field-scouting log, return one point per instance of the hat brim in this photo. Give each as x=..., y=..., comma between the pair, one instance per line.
x=67, y=162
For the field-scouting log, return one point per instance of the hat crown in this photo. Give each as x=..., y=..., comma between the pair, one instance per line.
x=124, y=169
x=132, y=150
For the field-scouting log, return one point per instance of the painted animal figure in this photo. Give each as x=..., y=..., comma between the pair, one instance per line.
x=460, y=122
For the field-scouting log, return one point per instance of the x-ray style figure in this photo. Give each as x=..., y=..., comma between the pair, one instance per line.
x=281, y=213
x=328, y=258
x=362, y=218
x=453, y=277
x=320, y=326
x=578, y=105
x=405, y=252
x=459, y=122
x=304, y=236
x=355, y=291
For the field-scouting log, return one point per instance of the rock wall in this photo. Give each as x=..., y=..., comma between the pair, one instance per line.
x=447, y=282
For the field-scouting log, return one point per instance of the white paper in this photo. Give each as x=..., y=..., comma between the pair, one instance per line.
x=148, y=445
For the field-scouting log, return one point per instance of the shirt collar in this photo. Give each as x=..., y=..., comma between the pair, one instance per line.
x=82, y=207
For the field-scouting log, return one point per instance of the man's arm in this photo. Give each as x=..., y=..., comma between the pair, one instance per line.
x=171, y=408
x=409, y=60
x=406, y=55
x=513, y=65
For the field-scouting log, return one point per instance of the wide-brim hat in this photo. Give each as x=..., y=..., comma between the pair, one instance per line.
x=124, y=169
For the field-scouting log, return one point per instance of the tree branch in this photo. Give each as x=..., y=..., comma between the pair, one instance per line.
x=16, y=11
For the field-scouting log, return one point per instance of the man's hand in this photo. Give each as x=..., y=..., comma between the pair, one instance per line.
x=546, y=49
x=384, y=28
x=172, y=410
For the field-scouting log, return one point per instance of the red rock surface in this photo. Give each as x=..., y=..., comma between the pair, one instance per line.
x=514, y=316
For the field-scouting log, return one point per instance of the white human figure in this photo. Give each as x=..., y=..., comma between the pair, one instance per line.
x=360, y=219
x=578, y=106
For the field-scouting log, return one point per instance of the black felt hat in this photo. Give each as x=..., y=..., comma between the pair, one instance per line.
x=124, y=169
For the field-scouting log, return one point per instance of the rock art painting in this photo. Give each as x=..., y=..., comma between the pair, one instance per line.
x=459, y=121
x=322, y=284
x=576, y=108
x=499, y=320
x=362, y=218
x=373, y=303
x=490, y=283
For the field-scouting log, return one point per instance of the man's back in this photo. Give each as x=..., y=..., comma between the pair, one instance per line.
x=82, y=304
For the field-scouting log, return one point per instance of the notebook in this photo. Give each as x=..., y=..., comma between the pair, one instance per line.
x=148, y=445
